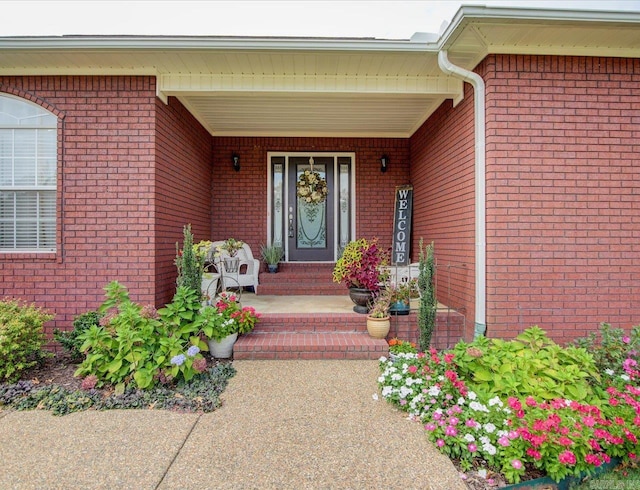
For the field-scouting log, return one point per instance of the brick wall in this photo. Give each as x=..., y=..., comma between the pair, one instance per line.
x=442, y=172
x=563, y=180
x=240, y=198
x=105, y=194
x=183, y=188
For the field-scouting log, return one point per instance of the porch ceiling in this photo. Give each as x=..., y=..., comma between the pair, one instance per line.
x=324, y=87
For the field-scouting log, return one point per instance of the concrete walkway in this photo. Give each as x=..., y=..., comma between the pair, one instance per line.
x=283, y=425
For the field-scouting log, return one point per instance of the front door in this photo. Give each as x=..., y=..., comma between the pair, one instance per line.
x=310, y=226
x=310, y=229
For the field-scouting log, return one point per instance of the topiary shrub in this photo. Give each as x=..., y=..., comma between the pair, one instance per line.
x=21, y=338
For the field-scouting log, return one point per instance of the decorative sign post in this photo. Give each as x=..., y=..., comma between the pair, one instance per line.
x=402, y=225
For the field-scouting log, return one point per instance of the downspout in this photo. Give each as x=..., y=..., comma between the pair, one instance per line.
x=480, y=213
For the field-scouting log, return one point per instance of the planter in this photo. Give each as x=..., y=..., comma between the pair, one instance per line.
x=399, y=308
x=272, y=268
x=546, y=483
x=231, y=264
x=224, y=348
x=361, y=298
x=414, y=304
x=378, y=328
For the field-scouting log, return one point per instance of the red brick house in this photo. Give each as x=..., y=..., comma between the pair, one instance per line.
x=518, y=129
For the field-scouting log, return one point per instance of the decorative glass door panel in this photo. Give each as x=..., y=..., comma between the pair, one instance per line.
x=310, y=214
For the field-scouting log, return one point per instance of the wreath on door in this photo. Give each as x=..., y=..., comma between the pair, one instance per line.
x=312, y=188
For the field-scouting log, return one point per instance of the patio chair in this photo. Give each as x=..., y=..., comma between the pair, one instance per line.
x=247, y=272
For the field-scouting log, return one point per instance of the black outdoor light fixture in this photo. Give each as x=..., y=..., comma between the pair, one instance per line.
x=236, y=162
x=384, y=161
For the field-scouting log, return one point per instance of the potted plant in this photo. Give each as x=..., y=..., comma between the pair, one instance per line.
x=378, y=320
x=360, y=269
x=400, y=299
x=222, y=322
x=272, y=255
x=230, y=248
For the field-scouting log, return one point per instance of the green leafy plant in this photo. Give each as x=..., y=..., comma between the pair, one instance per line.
x=271, y=254
x=610, y=346
x=379, y=307
x=136, y=345
x=530, y=365
x=69, y=338
x=230, y=246
x=21, y=337
x=428, y=303
x=360, y=265
x=397, y=346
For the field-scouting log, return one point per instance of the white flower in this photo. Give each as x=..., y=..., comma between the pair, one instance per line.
x=495, y=401
x=490, y=449
x=381, y=379
x=625, y=377
x=404, y=391
x=478, y=407
x=469, y=438
x=482, y=473
x=485, y=440
x=490, y=428
x=382, y=359
x=433, y=391
x=471, y=395
x=375, y=396
x=460, y=401
x=610, y=372
x=396, y=377
x=387, y=391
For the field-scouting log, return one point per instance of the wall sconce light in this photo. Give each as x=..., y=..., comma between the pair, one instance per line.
x=384, y=161
x=236, y=162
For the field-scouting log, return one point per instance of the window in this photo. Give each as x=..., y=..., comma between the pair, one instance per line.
x=28, y=148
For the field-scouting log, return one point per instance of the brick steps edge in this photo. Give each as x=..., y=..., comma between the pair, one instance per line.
x=309, y=345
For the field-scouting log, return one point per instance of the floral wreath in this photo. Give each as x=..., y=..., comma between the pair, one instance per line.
x=312, y=188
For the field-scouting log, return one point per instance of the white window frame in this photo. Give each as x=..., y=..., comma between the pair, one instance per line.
x=51, y=124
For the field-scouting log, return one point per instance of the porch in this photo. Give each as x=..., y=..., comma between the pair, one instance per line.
x=306, y=316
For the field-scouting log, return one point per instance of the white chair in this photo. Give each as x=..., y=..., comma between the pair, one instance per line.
x=247, y=272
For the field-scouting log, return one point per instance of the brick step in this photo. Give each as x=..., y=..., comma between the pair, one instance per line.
x=309, y=345
x=336, y=335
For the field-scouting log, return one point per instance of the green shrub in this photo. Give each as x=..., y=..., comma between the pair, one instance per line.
x=21, y=337
x=135, y=347
x=530, y=365
x=610, y=346
x=69, y=338
x=428, y=303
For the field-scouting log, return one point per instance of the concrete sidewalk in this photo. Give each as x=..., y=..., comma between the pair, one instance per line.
x=283, y=424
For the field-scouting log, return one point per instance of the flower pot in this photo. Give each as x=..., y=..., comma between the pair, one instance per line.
x=378, y=328
x=273, y=268
x=224, y=348
x=361, y=298
x=399, y=308
x=231, y=264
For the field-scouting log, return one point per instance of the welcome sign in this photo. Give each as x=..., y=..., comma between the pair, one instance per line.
x=402, y=225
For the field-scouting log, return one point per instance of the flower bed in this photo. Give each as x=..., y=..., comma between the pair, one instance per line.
x=503, y=407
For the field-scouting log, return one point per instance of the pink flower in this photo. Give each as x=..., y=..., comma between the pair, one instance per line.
x=593, y=459
x=516, y=463
x=504, y=441
x=565, y=441
x=440, y=442
x=567, y=457
x=450, y=431
x=472, y=447
x=514, y=403
x=413, y=369
x=589, y=421
x=430, y=427
x=448, y=358
x=453, y=421
x=534, y=454
x=626, y=339
x=471, y=423
x=531, y=402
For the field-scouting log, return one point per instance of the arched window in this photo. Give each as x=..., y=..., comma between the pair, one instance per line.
x=28, y=148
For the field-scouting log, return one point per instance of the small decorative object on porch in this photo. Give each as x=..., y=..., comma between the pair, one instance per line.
x=222, y=322
x=378, y=321
x=400, y=299
x=311, y=187
x=230, y=248
x=360, y=269
x=272, y=255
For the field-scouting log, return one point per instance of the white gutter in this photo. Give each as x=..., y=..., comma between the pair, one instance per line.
x=480, y=185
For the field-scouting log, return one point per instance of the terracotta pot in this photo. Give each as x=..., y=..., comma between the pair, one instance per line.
x=378, y=328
